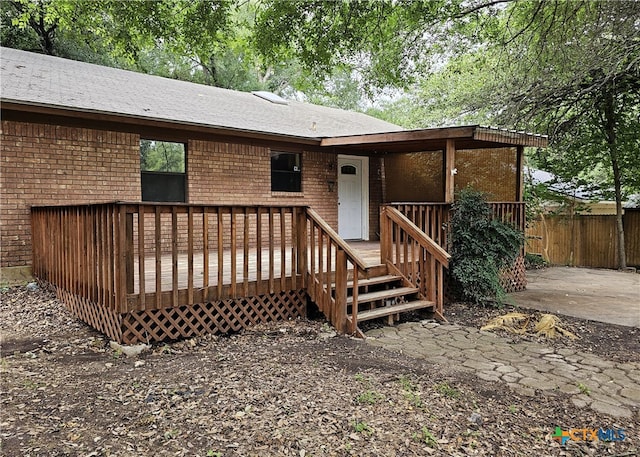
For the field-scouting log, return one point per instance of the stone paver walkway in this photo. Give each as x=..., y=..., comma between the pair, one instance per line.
x=608, y=387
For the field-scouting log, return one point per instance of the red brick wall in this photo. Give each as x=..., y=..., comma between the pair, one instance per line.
x=224, y=173
x=47, y=164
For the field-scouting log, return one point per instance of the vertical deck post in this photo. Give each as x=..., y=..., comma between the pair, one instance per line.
x=129, y=251
x=520, y=173
x=141, y=258
x=449, y=171
x=340, y=311
x=121, y=269
x=384, y=235
x=301, y=267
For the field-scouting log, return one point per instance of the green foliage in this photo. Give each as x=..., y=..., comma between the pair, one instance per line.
x=448, y=391
x=534, y=261
x=383, y=40
x=411, y=393
x=455, y=95
x=362, y=427
x=480, y=246
x=583, y=389
x=162, y=156
x=426, y=437
x=204, y=41
x=369, y=397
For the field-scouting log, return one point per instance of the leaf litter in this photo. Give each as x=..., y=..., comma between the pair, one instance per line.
x=283, y=389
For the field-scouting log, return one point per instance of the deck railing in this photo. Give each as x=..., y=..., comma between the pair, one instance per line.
x=149, y=256
x=131, y=257
x=433, y=218
x=79, y=248
x=408, y=251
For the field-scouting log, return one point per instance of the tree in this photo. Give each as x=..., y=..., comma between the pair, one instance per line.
x=570, y=69
x=387, y=42
x=577, y=75
x=204, y=41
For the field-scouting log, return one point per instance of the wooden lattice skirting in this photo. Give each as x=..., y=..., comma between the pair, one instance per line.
x=514, y=279
x=185, y=321
x=218, y=317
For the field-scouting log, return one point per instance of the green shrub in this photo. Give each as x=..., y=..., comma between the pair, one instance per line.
x=534, y=261
x=480, y=246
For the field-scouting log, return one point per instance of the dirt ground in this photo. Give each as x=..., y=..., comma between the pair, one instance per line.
x=287, y=389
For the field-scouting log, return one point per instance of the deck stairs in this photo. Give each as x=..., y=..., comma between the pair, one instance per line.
x=384, y=294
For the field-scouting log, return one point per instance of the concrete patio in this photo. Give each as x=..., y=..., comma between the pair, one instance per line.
x=609, y=296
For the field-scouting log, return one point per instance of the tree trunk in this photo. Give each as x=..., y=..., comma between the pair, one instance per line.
x=622, y=255
x=610, y=131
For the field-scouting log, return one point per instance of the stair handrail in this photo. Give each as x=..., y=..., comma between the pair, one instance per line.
x=335, y=308
x=414, y=231
x=352, y=255
x=435, y=260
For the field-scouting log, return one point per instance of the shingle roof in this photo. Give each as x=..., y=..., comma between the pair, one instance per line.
x=35, y=79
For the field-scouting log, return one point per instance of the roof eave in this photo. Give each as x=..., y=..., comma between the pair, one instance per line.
x=42, y=108
x=469, y=132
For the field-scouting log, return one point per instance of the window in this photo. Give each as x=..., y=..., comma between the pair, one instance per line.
x=163, y=166
x=286, y=172
x=348, y=170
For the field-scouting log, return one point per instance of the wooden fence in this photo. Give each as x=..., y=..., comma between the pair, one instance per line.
x=584, y=240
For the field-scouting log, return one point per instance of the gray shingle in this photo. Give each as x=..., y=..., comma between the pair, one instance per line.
x=51, y=81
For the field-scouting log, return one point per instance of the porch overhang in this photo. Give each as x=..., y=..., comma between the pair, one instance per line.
x=435, y=139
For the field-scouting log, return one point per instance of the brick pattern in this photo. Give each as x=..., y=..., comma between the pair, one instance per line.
x=49, y=165
x=239, y=174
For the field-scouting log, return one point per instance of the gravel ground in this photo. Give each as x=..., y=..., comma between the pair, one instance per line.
x=290, y=389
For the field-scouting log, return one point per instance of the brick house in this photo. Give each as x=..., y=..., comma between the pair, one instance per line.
x=78, y=138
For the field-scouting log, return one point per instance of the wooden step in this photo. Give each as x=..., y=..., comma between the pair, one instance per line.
x=374, y=281
x=378, y=270
x=395, y=309
x=383, y=294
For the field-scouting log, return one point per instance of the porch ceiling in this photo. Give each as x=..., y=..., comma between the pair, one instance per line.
x=435, y=139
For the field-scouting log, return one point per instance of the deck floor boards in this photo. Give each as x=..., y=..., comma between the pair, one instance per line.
x=368, y=250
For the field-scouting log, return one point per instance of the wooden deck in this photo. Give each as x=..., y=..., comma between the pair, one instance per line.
x=247, y=268
x=147, y=272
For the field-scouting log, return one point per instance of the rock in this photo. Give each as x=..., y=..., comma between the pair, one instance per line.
x=475, y=418
x=326, y=334
x=32, y=287
x=130, y=351
x=139, y=363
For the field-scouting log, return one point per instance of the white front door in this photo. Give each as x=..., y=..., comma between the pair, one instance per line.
x=353, y=208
